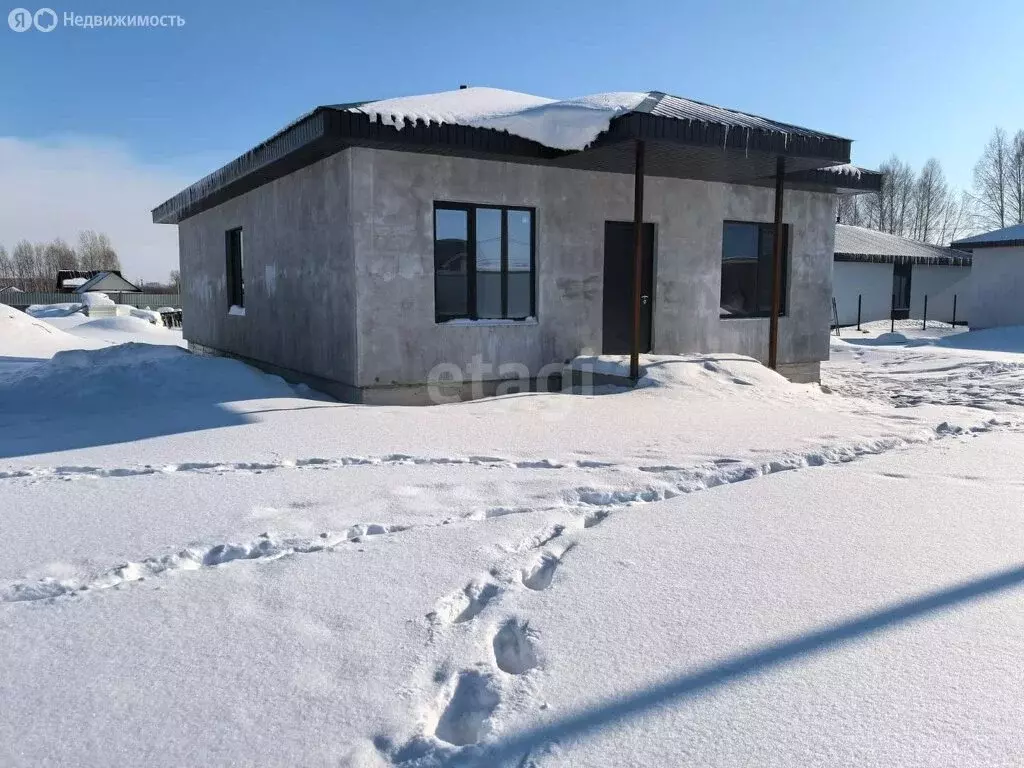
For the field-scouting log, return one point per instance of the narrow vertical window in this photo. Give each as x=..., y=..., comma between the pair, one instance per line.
x=451, y=264
x=235, y=280
x=483, y=262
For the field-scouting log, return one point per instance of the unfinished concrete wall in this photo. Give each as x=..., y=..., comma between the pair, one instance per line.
x=996, y=286
x=298, y=267
x=393, y=195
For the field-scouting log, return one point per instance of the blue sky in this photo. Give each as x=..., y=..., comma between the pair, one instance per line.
x=914, y=78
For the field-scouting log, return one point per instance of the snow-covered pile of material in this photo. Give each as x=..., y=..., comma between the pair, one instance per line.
x=145, y=314
x=569, y=124
x=130, y=374
x=54, y=310
x=97, y=300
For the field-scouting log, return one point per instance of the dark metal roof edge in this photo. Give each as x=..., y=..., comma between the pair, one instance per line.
x=298, y=134
x=640, y=125
x=888, y=258
x=655, y=97
x=866, y=181
x=967, y=245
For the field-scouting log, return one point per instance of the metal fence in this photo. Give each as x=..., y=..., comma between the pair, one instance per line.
x=22, y=299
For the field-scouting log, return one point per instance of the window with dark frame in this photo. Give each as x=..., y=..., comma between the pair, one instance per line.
x=484, y=262
x=747, y=269
x=235, y=281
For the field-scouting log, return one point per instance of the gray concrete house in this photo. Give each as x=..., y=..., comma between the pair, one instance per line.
x=997, y=277
x=374, y=249
x=882, y=273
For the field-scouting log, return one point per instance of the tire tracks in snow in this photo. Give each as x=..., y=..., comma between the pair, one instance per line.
x=586, y=506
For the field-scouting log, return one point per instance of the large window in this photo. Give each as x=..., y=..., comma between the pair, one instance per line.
x=483, y=262
x=236, y=284
x=747, y=268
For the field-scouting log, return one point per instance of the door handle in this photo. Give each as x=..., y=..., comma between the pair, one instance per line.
x=644, y=299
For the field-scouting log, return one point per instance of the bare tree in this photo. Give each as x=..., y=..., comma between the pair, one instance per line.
x=58, y=255
x=957, y=219
x=23, y=259
x=175, y=281
x=931, y=196
x=95, y=251
x=1015, y=192
x=992, y=180
x=891, y=209
x=6, y=268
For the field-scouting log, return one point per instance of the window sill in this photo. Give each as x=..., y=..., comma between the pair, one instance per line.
x=465, y=321
x=236, y=311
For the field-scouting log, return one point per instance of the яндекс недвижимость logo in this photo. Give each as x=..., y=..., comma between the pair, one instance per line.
x=46, y=20
x=22, y=19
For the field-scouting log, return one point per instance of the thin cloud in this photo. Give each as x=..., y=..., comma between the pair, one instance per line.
x=57, y=188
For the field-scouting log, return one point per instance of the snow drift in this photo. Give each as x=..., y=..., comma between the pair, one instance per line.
x=113, y=378
x=23, y=335
x=711, y=375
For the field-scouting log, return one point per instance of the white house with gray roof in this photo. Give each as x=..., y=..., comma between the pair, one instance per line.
x=372, y=249
x=997, y=277
x=881, y=273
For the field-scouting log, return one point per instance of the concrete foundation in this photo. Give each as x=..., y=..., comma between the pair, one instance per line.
x=339, y=277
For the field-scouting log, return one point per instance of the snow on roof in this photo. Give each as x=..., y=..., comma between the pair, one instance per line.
x=73, y=282
x=1007, y=235
x=863, y=244
x=569, y=124
x=846, y=169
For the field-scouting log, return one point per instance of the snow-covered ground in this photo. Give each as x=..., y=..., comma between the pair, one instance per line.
x=204, y=564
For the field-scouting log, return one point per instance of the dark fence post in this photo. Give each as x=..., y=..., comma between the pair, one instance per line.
x=858, y=311
x=954, y=310
x=892, y=315
x=924, y=324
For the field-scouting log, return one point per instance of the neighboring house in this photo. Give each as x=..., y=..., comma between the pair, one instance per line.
x=11, y=289
x=372, y=248
x=107, y=282
x=888, y=272
x=82, y=281
x=997, y=277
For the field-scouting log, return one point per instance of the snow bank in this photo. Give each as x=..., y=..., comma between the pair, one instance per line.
x=54, y=310
x=115, y=377
x=712, y=374
x=570, y=124
x=24, y=336
x=121, y=324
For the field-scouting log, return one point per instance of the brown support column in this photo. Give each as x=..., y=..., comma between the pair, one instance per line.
x=773, y=327
x=638, y=262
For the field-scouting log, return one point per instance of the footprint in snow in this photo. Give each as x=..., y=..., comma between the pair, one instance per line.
x=538, y=576
x=513, y=648
x=464, y=719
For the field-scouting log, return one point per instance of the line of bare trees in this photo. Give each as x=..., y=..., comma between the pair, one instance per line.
x=33, y=267
x=923, y=206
